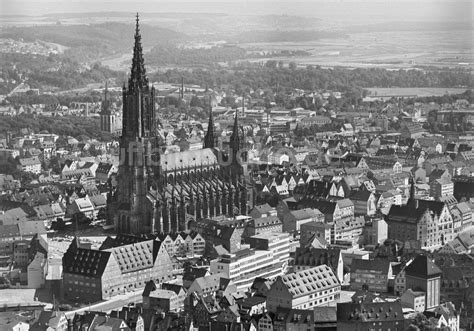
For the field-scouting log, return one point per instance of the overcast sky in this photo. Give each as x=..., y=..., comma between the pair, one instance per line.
x=402, y=9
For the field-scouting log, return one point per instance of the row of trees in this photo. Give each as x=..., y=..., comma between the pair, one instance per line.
x=75, y=126
x=246, y=77
x=30, y=98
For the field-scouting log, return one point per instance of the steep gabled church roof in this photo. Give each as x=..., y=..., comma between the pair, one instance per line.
x=423, y=267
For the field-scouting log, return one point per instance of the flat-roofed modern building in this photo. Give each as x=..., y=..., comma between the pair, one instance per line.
x=267, y=258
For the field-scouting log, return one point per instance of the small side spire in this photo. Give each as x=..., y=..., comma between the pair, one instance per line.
x=210, y=140
x=105, y=105
x=235, y=137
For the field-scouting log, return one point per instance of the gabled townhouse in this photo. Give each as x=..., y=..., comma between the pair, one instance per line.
x=81, y=206
x=104, y=171
x=50, y=321
x=262, y=211
x=436, y=162
x=348, y=184
x=30, y=164
x=205, y=310
x=446, y=316
x=312, y=231
x=215, y=284
x=441, y=187
x=414, y=300
x=428, y=222
x=371, y=275
x=49, y=212
x=387, y=199
x=464, y=211
x=168, y=298
x=384, y=164
x=183, y=244
x=253, y=305
x=364, y=202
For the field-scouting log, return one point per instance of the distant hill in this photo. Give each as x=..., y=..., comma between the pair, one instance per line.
x=104, y=38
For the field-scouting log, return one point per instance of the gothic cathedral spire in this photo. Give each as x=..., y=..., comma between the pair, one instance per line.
x=139, y=154
x=138, y=77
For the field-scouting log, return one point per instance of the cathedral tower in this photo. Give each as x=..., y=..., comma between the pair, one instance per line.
x=139, y=155
x=107, y=119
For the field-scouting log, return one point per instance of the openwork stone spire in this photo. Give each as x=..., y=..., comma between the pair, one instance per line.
x=138, y=77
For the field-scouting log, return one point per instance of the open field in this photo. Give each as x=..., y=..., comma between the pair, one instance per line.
x=418, y=91
x=390, y=50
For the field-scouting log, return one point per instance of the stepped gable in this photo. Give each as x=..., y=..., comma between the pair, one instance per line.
x=318, y=189
x=423, y=267
x=432, y=205
x=121, y=240
x=415, y=209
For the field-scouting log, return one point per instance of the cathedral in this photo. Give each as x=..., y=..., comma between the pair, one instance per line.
x=162, y=193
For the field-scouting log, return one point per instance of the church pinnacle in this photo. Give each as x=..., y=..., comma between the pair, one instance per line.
x=235, y=142
x=210, y=140
x=105, y=104
x=138, y=77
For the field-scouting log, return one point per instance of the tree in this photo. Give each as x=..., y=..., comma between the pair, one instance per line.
x=304, y=103
x=195, y=102
x=58, y=225
x=272, y=64
x=292, y=66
